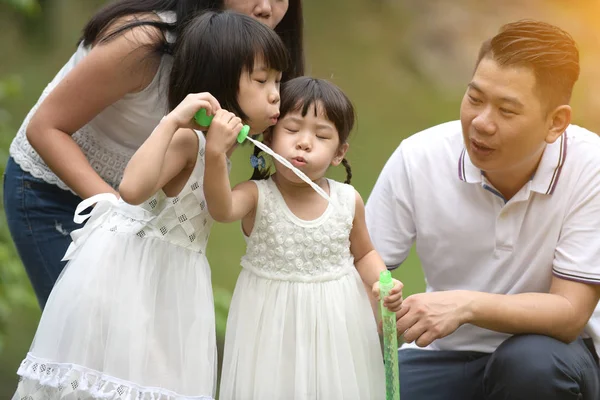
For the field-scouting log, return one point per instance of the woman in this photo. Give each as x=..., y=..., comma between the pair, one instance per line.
x=101, y=106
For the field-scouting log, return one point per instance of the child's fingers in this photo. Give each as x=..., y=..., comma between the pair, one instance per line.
x=395, y=305
x=235, y=120
x=222, y=115
x=235, y=124
x=211, y=102
x=226, y=119
x=393, y=298
x=202, y=104
x=375, y=290
x=398, y=286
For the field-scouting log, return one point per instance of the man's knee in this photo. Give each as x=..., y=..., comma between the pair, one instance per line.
x=529, y=365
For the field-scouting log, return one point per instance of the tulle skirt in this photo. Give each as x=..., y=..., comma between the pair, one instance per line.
x=301, y=341
x=129, y=318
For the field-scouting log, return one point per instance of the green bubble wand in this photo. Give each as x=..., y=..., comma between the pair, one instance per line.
x=390, y=339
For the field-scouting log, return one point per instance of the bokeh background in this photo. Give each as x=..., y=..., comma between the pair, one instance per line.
x=404, y=63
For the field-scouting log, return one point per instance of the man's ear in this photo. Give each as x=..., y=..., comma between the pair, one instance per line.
x=558, y=121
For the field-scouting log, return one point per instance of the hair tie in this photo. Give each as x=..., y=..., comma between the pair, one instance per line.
x=257, y=162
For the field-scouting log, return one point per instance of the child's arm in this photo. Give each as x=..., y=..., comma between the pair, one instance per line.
x=225, y=204
x=169, y=150
x=368, y=262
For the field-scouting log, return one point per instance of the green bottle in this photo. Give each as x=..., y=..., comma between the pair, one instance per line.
x=204, y=120
x=390, y=339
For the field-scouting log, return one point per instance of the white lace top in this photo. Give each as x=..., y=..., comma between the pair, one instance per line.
x=285, y=247
x=110, y=139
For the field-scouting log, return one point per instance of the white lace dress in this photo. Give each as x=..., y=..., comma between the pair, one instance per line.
x=300, y=325
x=132, y=315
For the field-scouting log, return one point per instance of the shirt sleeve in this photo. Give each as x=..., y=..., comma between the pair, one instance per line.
x=389, y=211
x=577, y=254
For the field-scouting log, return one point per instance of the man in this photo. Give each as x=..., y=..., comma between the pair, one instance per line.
x=504, y=207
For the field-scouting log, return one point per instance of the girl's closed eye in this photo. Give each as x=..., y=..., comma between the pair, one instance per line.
x=260, y=77
x=325, y=132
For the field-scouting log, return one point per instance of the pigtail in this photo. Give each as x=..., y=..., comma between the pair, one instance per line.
x=346, y=165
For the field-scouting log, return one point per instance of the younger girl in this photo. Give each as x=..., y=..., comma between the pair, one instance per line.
x=300, y=324
x=132, y=315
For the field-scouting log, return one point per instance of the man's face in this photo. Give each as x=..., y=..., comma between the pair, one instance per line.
x=504, y=120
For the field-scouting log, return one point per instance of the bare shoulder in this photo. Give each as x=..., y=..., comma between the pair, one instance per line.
x=144, y=34
x=359, y=204
x=358, y=198
x=133, y=52
x=105, y=75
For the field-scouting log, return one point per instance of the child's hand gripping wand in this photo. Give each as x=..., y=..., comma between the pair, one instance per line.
x=390, y=339
x=204, y=120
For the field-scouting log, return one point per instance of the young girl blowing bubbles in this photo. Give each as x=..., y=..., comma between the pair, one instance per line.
x=300, y=324
x=132, y=316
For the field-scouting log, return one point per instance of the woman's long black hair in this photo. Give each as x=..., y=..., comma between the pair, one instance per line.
x=290, y=29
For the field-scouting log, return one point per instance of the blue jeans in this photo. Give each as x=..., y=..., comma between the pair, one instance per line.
x=40, y=220
x=524, y=367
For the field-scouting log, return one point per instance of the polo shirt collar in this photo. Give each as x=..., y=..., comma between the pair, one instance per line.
x=546, y=176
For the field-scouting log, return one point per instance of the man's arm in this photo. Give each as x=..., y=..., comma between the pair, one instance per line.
x=562, y=313
x=389, y=211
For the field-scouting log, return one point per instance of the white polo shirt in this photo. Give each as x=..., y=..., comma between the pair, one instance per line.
x=468, y=237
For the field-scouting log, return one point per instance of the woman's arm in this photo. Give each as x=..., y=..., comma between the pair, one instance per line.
x=110, y=71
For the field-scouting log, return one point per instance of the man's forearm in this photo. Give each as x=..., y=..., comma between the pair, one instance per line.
x=534, y=313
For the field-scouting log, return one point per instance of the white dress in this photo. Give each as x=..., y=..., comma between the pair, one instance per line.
x=132, y=316
x=301, y=326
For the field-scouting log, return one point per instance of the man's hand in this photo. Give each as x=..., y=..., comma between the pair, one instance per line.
x=425, y=317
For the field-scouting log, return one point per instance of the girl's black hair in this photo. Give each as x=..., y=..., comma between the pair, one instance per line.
x=216, y=48
x=290, y=29
x=298, y=94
